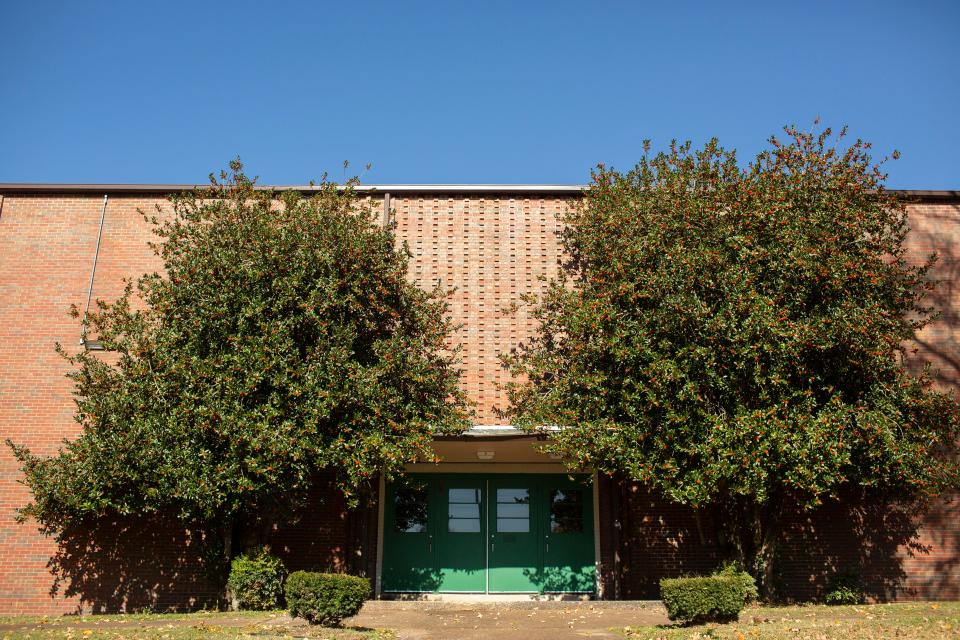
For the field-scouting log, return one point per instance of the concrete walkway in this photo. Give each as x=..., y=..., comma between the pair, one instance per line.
x=508, y=620
x=409, y=620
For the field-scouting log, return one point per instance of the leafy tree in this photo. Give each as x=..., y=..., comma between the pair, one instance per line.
x=282, y=339
x=735, y=336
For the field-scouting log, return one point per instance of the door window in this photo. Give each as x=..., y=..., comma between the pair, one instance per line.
x=566, y=511
x=410, y=510
x=463, y=511
x=513, y=510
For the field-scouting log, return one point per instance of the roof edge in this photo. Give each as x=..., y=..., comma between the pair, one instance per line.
x=923, y=195
x=27, y=187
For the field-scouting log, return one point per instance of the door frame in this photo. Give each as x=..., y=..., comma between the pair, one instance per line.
x=504, y=470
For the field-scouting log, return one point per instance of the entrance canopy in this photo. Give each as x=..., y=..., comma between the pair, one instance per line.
x=491, y=449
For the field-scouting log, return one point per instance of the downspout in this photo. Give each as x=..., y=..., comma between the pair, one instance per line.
x=93, y=273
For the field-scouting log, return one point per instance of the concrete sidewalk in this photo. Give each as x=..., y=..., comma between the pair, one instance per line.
x=508, y=620
x=407, y=620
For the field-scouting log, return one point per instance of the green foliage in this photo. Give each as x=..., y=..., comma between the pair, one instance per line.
x=256, y=580
x=736, y=336
x=282, y=339
x=748, y=585
x=703, y=599
x=325, y=598
x=844, y=588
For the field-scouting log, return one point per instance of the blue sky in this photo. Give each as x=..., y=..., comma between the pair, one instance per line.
x=449, y=92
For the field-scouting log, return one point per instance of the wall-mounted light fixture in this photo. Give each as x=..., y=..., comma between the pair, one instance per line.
x=485, y=455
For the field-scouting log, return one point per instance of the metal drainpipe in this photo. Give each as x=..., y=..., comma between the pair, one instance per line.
x=93, y=273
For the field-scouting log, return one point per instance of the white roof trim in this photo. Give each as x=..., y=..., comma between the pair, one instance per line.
x=557, y=189
x=475, y=188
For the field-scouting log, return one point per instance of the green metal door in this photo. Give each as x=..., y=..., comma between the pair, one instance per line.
x=461, y=533
x=410, y=558
x=513, y=553
x=472, y=533
x=567, y=525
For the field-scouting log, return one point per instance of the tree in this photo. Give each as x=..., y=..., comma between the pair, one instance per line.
x=734, y=337
x=282, y=340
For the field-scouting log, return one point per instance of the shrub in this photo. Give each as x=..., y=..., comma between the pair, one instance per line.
x=325, y=598
x=844, y=588
x=747, y=583
x=703, y=599
x=256, y=580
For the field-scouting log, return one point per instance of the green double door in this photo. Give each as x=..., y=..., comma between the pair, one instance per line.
x=494, y=533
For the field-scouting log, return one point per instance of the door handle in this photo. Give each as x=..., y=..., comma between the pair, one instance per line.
x=547, y=541
x=493, y=544
x=429, y=544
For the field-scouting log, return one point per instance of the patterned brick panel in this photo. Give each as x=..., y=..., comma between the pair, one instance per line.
x=492, y=251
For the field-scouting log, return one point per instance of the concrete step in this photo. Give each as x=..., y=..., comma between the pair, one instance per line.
x=439, y=601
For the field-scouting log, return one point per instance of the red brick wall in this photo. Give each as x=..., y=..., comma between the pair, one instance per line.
x=327, y=536
x=46, y=250
x=935, y=228
x=661, y=539
x=491, y=248
x=899, y=552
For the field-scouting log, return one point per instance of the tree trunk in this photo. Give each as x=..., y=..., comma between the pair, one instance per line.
x=766, y=534
x=228, y=596
x=751, y=532
x=766, y=558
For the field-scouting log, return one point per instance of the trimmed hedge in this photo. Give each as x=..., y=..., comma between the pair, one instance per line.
x=325, y=598
x=716, y=598
x=747, y=583
x=256, y=581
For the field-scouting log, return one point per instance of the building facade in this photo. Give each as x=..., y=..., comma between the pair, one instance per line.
x=496, y=515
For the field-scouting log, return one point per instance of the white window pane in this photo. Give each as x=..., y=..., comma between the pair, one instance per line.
x=463, y=525
x=464, y=511
x=469, y=496
x=513, y=525
x=513, y=510
x=515, y=496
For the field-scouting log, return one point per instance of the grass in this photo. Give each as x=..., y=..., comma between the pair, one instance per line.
x=818, y=622
x=255, y=625
x=811, y=622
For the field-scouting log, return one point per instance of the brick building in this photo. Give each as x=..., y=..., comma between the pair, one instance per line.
x=515, y=522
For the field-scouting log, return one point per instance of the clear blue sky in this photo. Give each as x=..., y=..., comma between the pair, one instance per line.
x=461, y=92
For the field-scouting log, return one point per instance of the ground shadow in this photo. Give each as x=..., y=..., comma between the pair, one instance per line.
x=412, y=579
x=562, y=579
